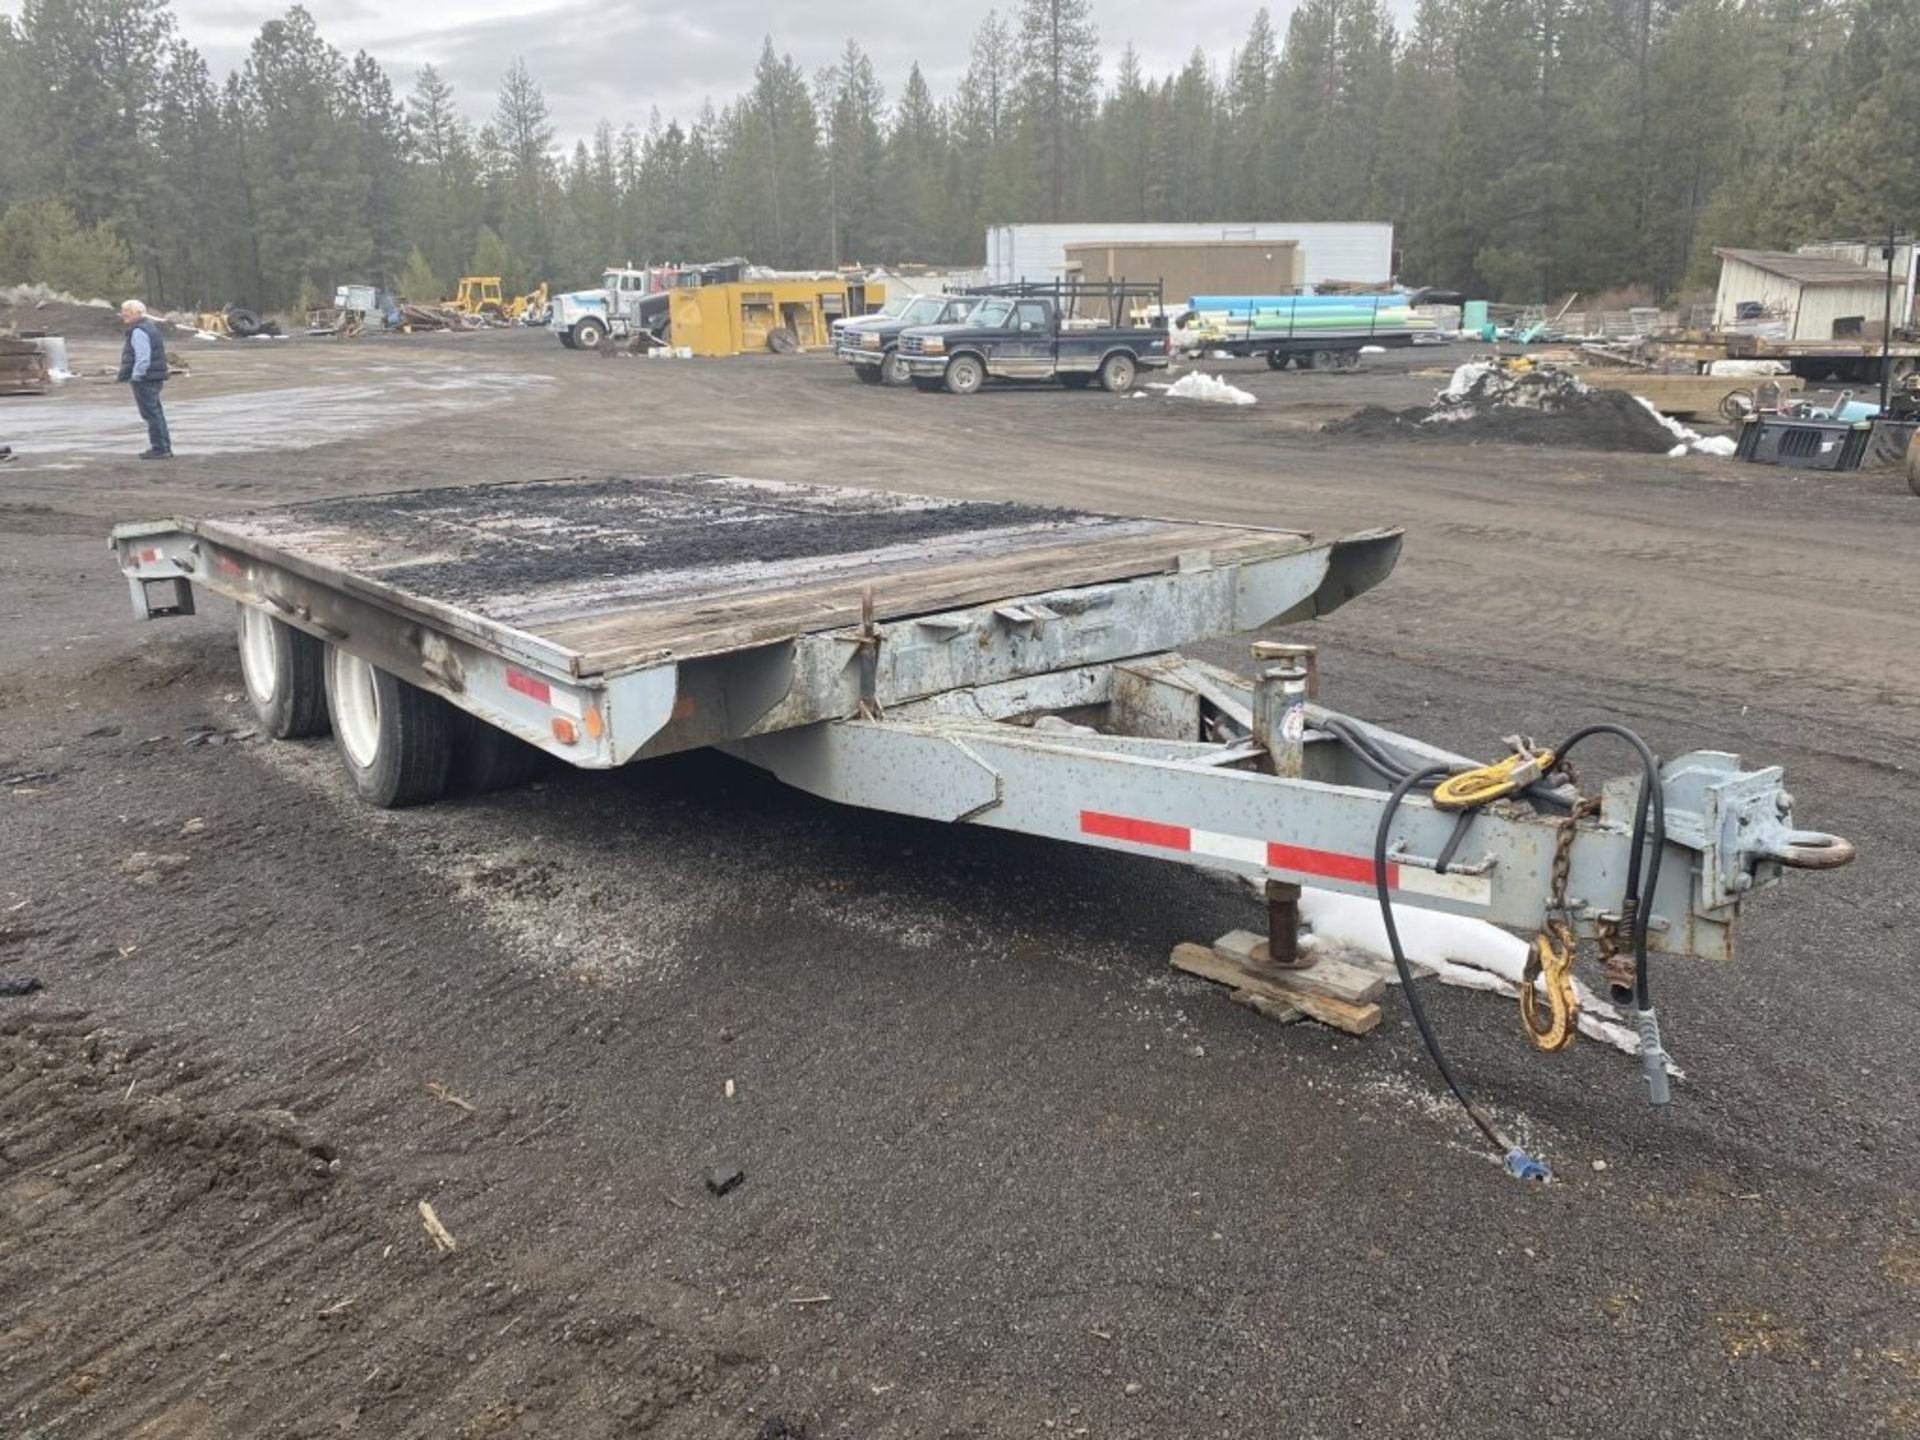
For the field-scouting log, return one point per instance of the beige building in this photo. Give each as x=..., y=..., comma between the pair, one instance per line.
x=1193, y=267
x=1789, y=296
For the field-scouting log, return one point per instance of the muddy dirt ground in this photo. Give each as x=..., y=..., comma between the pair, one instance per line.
x=1005, y=1174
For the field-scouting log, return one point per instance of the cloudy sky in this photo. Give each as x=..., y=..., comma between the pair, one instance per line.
x=621, y=58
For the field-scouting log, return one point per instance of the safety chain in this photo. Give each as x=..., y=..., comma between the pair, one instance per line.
x=1550, y=959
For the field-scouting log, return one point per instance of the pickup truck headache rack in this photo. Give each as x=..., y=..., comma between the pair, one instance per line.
x=978, y=664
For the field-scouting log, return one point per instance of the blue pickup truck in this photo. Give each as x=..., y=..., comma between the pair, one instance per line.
x=1027, y=337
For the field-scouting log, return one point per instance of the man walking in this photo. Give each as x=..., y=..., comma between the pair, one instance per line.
x=143, y=364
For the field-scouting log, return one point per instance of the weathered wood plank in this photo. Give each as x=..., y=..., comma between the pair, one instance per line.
x=1326, y=976
x=1341, y=1014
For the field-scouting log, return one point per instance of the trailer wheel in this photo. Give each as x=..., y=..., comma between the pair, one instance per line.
x=893, y=368
x=394, y=739
x=285, y=674
x=486, y=758
x=1320, y=360
x=867, y=374
x=1117, y=373
x=588, y=333
x=1346, y=360
x=1276, y=360
x=964, y=375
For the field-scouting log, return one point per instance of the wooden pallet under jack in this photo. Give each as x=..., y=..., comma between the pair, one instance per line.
x=1326, y=989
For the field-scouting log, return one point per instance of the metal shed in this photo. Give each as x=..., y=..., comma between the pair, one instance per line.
x=1800, y=297
x=1357, y=251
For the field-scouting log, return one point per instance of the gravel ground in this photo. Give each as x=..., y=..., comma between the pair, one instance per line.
x=1006, y=1174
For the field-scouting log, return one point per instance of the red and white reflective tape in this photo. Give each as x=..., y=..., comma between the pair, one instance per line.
x=534, y=688
x=1290, y=859
x=149, y=556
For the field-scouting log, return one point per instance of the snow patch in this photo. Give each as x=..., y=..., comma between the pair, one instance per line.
x=1197, y=385
x=1691, y=441
x=1463, y=952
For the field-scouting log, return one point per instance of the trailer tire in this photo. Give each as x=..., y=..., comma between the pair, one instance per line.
x=1118, y=372
x=1319, y=360
x=965, y=375
x=868, y=374
x=486, y=758
x=1276, y=360
x=284, y=671
x=1346, y=360
x=395, y=740
x=893, y=368
x=587, y=334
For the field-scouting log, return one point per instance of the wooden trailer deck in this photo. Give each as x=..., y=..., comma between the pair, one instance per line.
x=613, y=574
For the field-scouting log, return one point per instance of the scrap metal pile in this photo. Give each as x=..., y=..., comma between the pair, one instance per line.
x=23, y=368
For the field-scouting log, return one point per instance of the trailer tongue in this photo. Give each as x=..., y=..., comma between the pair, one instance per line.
x=979, y=664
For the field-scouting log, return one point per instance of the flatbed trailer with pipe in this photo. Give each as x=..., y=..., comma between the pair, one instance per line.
x=979, y=664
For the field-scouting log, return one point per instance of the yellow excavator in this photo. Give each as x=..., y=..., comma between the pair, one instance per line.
x=530, y=308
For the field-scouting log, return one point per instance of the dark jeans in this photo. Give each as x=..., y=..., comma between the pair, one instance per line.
x=146, y=396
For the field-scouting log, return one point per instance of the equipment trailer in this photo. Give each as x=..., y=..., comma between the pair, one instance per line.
x=979, y=664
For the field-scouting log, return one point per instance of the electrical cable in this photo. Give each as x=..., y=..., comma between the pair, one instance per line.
x=1651, y=802
x=1519, y=1164
x=1652, y=805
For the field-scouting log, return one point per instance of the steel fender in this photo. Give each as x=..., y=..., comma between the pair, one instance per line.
x=1269, y=593
x=905, y=771
x=639, y=704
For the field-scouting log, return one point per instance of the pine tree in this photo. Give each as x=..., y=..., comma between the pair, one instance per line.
x=1123, y=139
x=917, y=214
x=417, y=282
x=1058, y=91
x=1247, y=147
x=40, y=240
x=851, y=100
x=302, y=171
x=992, y=180
x=380, y=133
x=524, y=129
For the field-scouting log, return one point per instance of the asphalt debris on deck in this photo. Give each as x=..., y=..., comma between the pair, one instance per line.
x=466, y=544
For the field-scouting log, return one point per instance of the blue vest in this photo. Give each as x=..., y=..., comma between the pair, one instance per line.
x=157, y=359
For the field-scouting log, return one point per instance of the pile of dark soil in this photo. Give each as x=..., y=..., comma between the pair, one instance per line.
x=1542, y=407
x=63, y=317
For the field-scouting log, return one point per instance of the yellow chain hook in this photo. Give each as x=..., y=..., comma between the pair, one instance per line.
x=1550, y=960
x=1487, y=783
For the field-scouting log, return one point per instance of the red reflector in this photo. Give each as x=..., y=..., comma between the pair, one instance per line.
x=530, y=685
